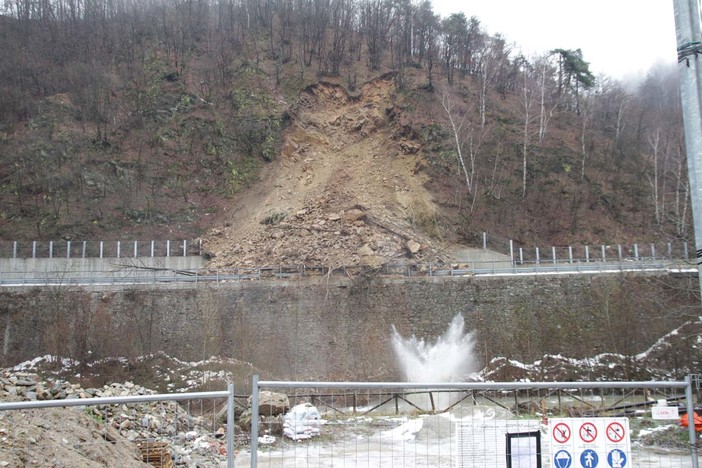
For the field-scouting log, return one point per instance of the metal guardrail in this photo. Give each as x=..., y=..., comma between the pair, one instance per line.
x=137, y=276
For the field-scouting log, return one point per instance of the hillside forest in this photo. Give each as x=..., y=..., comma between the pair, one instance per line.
x=141, y=119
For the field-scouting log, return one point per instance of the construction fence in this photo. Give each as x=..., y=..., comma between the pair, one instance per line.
x=397, y=424
x=479, y=424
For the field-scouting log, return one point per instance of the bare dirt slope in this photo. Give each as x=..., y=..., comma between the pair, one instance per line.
x=347, y=189
x=62, y=438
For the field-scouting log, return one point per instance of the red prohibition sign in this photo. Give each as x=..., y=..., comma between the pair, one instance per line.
x=588, y=432
x=615, y=432
x=561, y=432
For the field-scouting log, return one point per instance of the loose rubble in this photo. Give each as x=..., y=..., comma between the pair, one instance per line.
x=191, y=440
x=347, y=190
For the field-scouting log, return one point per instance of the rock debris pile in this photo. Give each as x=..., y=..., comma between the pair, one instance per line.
x=348, y=189
x=103, y=433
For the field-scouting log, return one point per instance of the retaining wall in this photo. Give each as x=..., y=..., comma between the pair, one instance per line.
x=35, y=267
x=341, y=329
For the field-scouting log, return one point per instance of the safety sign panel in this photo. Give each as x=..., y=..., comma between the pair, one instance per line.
x=615, y=432
x=562, y=459
x=595, y=442
x=616, y=458
x=561, y=433
x=588, y=432
x=589, y=458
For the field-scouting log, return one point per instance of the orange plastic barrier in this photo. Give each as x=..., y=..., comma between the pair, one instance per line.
x=697, y=418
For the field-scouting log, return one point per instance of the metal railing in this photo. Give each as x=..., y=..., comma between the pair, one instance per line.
x=384, y=422
x=135, y=275
x=122, y=400
x=100, y=249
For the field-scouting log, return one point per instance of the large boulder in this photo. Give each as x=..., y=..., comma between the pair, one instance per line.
x=271, y=403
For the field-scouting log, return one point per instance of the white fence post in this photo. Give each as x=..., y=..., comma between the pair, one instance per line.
x=254, y=420
x=51, y=249
x=119, y=248
x=153, y=246
x=68, y=249
x=34, y=249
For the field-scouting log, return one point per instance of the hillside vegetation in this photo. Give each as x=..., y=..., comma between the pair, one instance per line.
x=321, y=131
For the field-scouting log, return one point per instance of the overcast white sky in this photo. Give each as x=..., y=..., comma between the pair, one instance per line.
x=620, y=38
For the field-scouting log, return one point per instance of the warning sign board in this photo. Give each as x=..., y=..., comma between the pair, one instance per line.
x=588, y=432
x=596, y=441
x=615, y=432
x=561, y=433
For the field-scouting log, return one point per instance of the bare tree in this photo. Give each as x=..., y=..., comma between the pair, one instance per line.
x=375, y=22
x=528, y=101
x=585, y=117
x=463, y=134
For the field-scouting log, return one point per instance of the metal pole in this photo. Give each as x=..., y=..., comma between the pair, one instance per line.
x=538, y=257
x=254, y=422
x=34, y=249
x=168, y=248
x=688, y=36
x=553, y=254
x=604, y=256
x=136, y=249
x=570, y=253
x=511, y=251
x=185, y=248
x=484, y=240
x=587, y=254
x=51, y=249
x=14, y=249
x=119, y=247
x=68, y=249
x=691, y=421
x=85, y=246
x=230, y=426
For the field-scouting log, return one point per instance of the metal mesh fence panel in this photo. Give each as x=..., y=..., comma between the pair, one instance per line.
x=131, y=430
x=476, y=425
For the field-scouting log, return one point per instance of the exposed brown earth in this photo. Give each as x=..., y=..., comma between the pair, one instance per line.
x=346, y=189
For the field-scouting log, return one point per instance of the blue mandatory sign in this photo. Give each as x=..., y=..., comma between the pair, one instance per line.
x=589, y=458
x=616, y=458
x=562, y=459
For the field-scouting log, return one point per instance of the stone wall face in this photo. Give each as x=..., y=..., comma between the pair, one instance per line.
x=341, y=329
